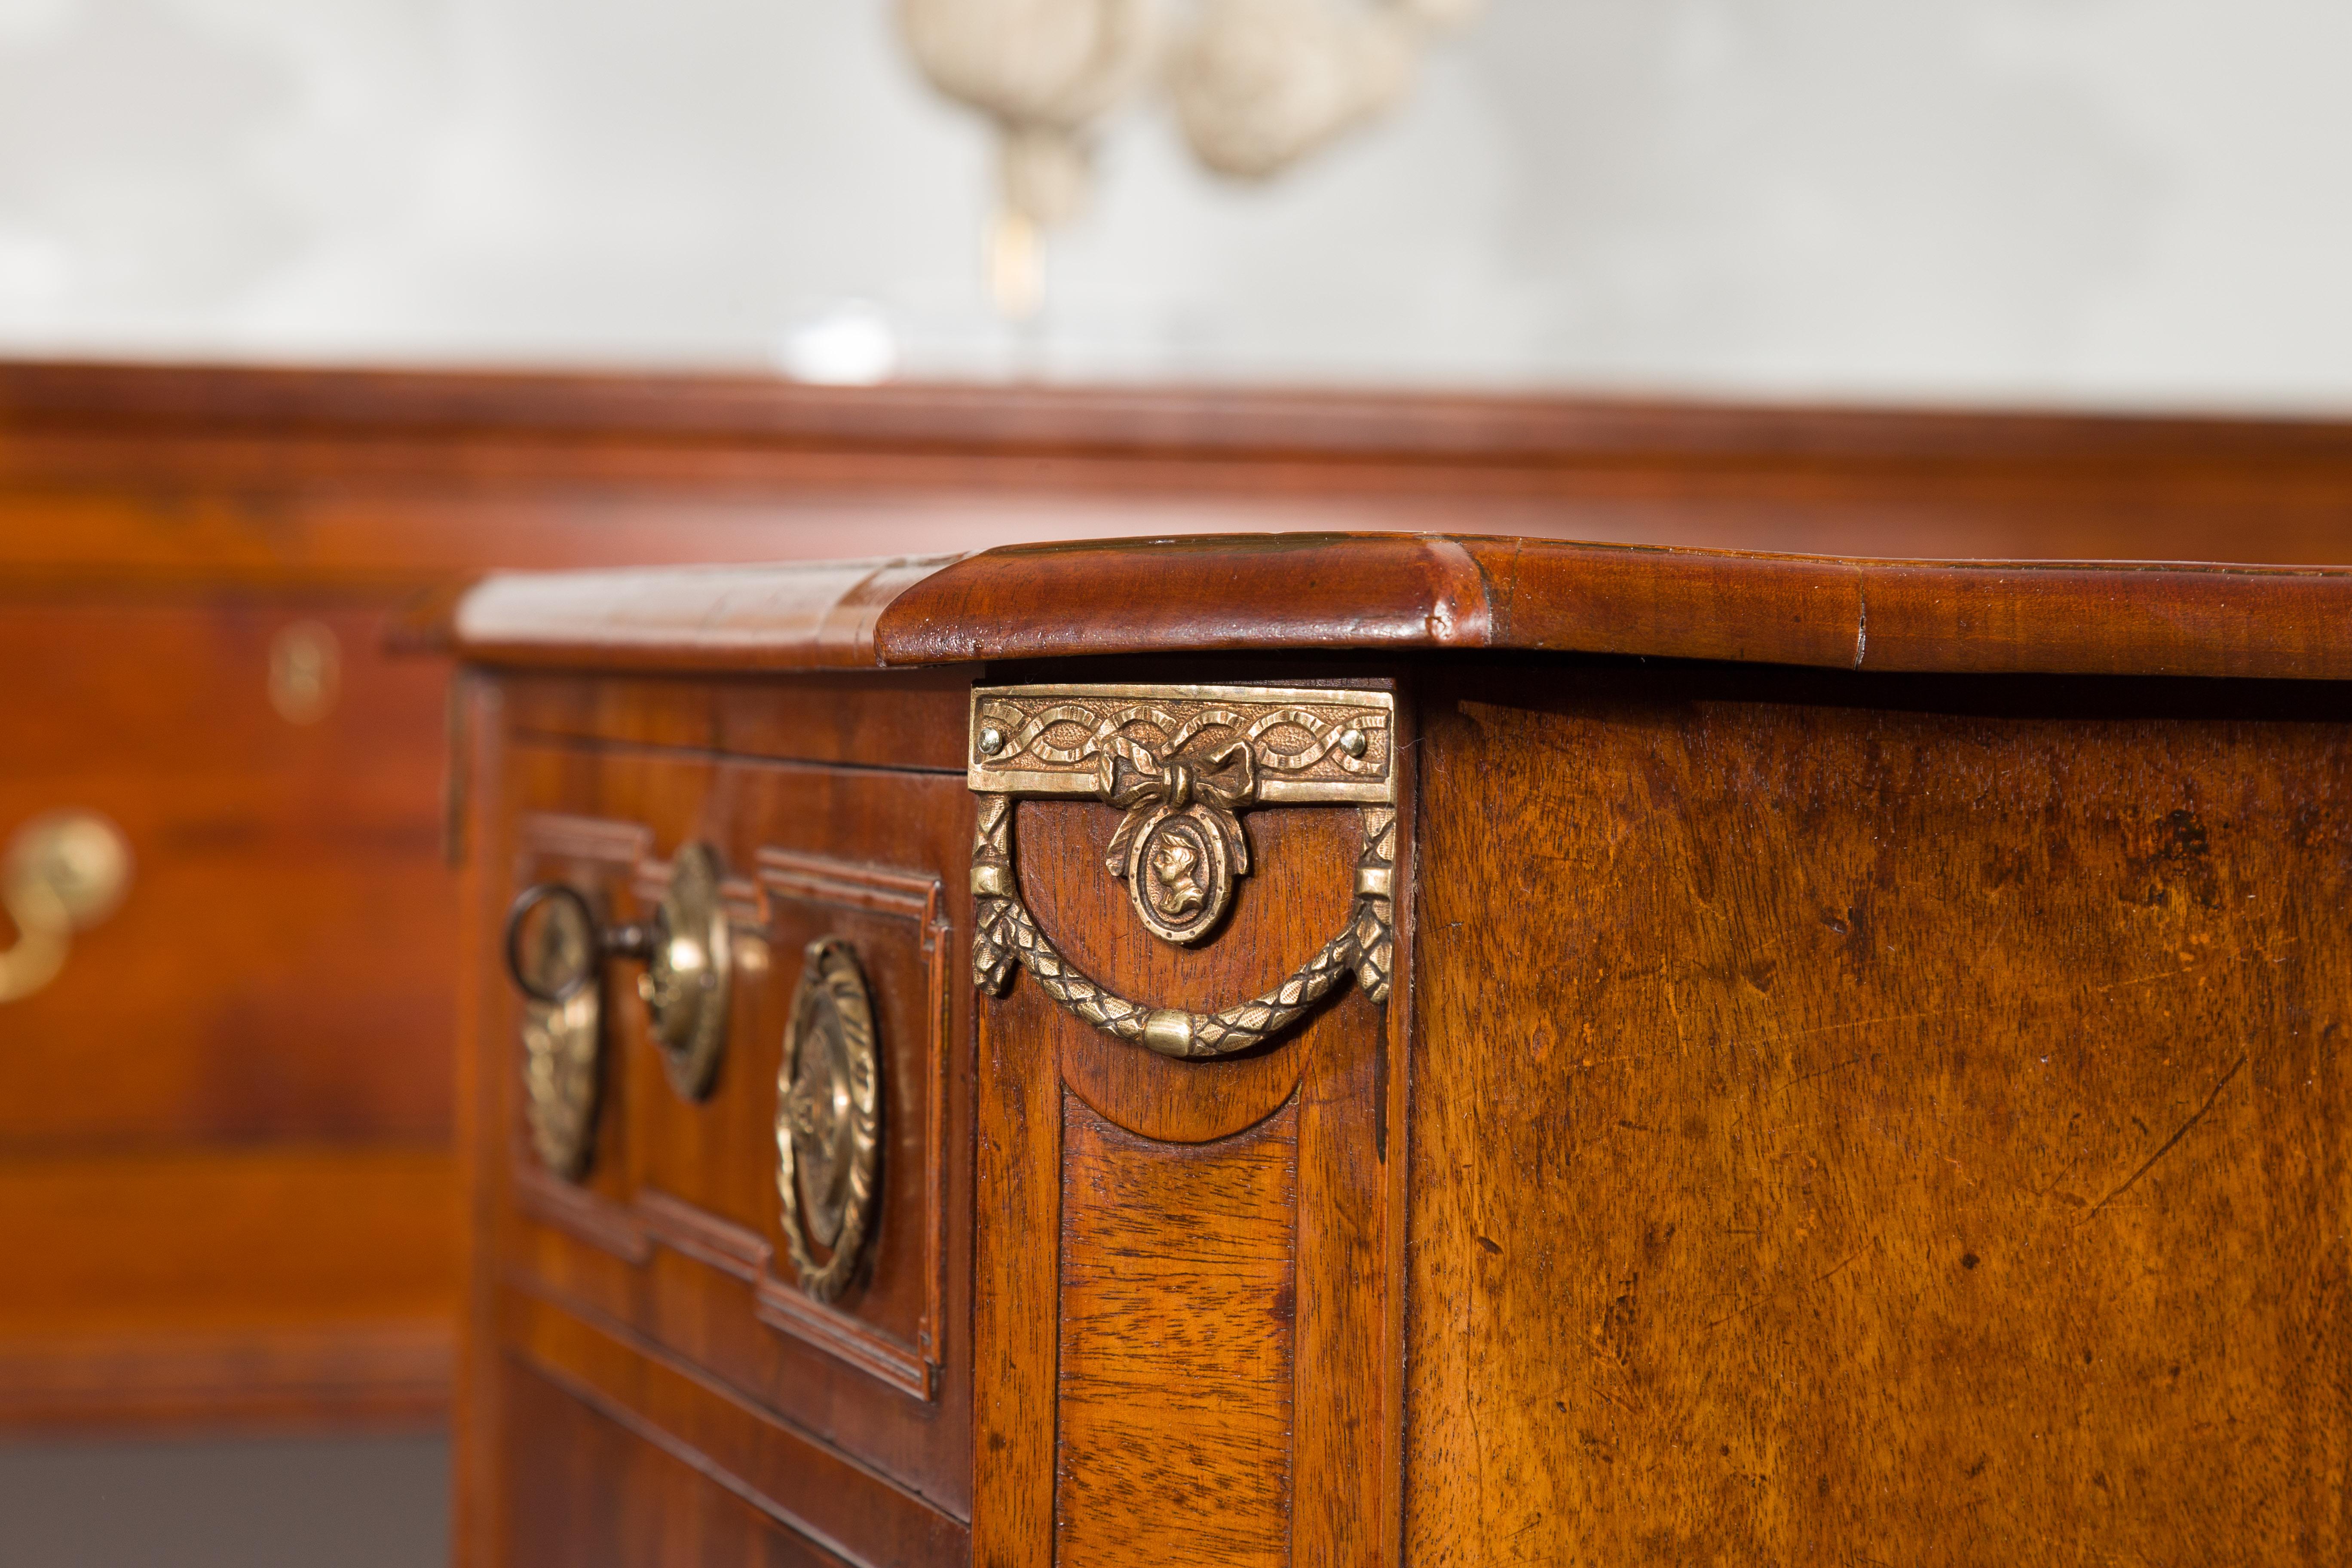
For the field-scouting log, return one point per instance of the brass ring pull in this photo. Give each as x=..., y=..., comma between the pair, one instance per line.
x=571, y=970
x=64, y=873
x=686, y=948
x=1007, y=933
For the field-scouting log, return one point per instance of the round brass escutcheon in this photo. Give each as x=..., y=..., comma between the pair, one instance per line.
x=689, y=970
x=828, y=1118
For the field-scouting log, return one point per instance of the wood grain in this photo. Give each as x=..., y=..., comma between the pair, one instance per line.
x=1840, y=1115
x=1109, y=1176
x=815, y=1493
x=596, y=1488
x=1909, y=1131
x=915, y=719
x=1177, y=1304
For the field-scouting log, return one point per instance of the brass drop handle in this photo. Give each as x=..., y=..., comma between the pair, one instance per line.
x=64, y=872
x=687, y=949
x=574, y=948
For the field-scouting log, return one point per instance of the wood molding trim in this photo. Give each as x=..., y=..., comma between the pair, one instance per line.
x=631, y=1228
x=1328, y=425
x=391, y=1376
x=1394, y=592
x=376, y=483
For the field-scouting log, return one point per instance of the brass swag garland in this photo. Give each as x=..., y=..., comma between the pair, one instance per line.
x=1184, y=762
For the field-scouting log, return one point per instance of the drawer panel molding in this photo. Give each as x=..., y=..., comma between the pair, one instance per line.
x=794, y=1294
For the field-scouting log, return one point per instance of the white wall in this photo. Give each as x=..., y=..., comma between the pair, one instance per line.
x=2106, y=201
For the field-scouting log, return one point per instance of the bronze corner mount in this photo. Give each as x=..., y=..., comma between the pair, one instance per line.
x=1183, y=763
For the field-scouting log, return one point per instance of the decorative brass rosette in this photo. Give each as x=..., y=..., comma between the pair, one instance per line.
x=689, y=965
x=828, y=1118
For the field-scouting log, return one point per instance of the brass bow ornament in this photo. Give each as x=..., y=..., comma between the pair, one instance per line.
x=1180, y=844
x=1183, y=763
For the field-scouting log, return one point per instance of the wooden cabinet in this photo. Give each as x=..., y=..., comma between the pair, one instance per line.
x=227, y=1124
x=1445, y=1051
x=223, y=1146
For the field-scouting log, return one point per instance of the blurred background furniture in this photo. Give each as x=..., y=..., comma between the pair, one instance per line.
x=1433, y=1049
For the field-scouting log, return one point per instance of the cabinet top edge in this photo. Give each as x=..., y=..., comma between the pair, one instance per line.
x=1457, y=425
x=1414, y=593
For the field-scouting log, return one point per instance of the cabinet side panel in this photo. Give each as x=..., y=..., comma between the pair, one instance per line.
x=1183, y=1331
x=1178, y=1314
x=1856, y=1120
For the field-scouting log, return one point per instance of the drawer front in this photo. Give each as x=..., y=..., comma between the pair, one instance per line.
x=274, y=776
x=668, y=1235
x=226, y=1113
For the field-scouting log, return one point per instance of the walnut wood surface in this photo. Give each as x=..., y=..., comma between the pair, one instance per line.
x=371, y=475
x=1599, y=1241
x=597, y=1488
x=224, y=1125
x=1386, y=593
x=279, y=974
x=1901, y=1123
x=685, y=1194
x=1463, y=427
x=232, y=997
x=822, y=1499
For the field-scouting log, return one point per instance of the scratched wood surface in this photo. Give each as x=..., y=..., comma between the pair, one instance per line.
x=1879, y=1123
